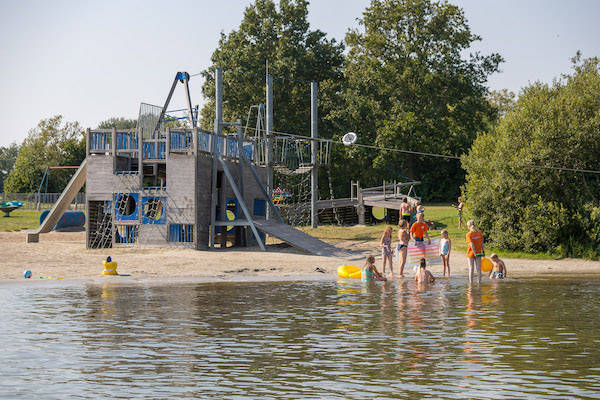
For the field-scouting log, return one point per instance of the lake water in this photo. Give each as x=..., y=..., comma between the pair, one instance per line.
x=521, y=338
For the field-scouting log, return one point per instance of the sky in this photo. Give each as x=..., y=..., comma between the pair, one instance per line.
x=92, y=60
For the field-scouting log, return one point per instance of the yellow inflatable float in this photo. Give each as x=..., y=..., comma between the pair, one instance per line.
x=486, y=264
x=110, y=267
x=349, y=271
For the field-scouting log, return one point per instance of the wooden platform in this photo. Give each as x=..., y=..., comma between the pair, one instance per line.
x=299, y=239
x=373, y=200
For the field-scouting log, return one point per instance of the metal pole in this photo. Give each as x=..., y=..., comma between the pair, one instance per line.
x=314, y=186
x=269, y=149
x=213, y=150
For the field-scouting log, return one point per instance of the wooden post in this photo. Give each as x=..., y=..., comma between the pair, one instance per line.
x=314, y=186
x=360, y=208
x=213, y=150
x=140, y=138
x=269, y=139
x=240, y=231
x=167, y=143
x=113, y=148
x=87, y=144
x=195, y=141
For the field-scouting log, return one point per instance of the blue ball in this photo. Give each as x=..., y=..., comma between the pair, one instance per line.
x=27, y=274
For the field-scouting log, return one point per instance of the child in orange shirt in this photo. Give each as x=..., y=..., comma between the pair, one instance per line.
x=419, y=229
x=475, y=250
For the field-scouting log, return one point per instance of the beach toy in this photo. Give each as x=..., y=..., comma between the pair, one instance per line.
x=378, y=213
x=110, y=267
x=430, y=252
x=486, y=264
x=45, y=277
x=27, y=274
x=349, y=271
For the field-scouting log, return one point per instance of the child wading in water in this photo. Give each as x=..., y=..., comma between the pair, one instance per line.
x=422, y=275
x=498, y=268
x=402, y=247
x=369, y=272
x=386, y=249
x=445, y=249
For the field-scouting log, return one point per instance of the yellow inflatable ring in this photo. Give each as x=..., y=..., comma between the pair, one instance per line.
x=349, y=271
x=110, y=268
x=486, y=264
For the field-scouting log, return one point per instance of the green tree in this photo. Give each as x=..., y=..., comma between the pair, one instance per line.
x=409, y=86
x=8, y=155
x=503, y=100
x=118, y=123
x=52, y=143
x=297, y=55
x=525, y=208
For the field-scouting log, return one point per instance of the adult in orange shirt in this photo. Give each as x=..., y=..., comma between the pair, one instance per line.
x=475, y=249
x=419, y=229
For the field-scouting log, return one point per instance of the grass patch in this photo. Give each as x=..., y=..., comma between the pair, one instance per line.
x=20, y=220
x=445, y=217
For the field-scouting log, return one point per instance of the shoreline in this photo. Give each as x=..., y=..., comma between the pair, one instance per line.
x=64, y=254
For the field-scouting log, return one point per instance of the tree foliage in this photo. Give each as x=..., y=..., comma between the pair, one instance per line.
x=8, y=155
x=52, y=143
x=409, y=86
x=296, y=55
x=118, y=123
x=540, y=209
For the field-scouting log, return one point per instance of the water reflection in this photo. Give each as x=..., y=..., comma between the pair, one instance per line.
x=345, y=339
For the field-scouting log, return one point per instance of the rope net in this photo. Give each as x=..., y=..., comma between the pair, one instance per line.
x=292, y=194
x=148, y=119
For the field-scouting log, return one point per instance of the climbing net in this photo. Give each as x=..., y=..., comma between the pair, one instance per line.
x=100, y=221
x=292, y=194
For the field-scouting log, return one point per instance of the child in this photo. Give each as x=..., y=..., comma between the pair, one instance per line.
x=460, y=207
x=369, y=272
x=420, y=209
x=386, y=249
x=402, y=247
x=445, y=248
x=498, y=268
x=422, y=275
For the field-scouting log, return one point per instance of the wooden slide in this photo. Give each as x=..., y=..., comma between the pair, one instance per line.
x=299, y=239
x=61, y=205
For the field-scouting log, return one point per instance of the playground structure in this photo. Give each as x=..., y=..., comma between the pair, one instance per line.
x=187, y=187
x=9, y=206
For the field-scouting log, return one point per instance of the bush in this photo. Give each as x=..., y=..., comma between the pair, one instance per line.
x=519, y=200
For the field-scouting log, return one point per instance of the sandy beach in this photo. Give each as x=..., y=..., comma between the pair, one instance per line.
x=63, y=254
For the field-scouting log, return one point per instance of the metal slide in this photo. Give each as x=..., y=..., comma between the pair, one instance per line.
x=61, y=205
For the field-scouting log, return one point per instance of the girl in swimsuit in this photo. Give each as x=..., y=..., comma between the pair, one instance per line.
x=369, y=272
x=445, y=248
x=386, y=249
x=402, y=247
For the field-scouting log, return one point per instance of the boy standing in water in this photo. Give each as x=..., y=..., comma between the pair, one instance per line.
x=498, y=268
x=422, y=275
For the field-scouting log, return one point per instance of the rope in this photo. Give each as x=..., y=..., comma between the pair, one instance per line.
x=445, y=156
